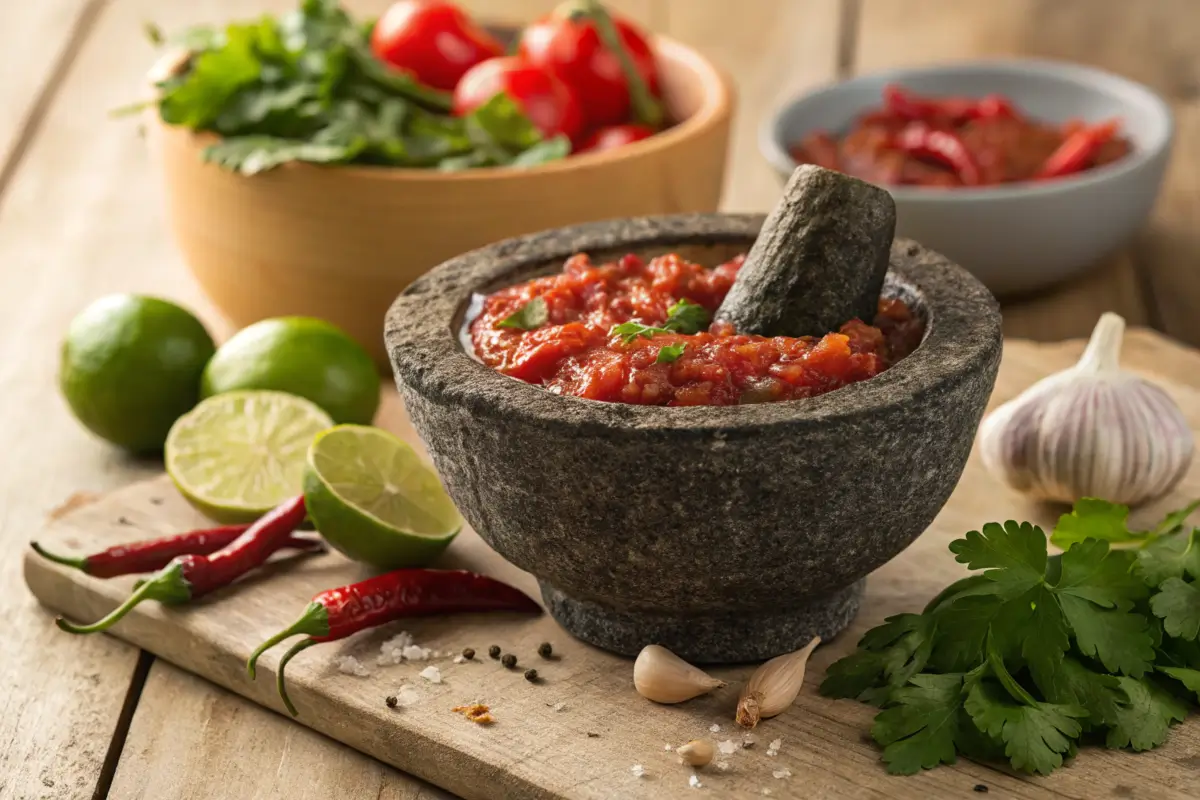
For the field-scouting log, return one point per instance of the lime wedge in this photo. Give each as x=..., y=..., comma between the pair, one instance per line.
x=238, y=455
x=371, y=497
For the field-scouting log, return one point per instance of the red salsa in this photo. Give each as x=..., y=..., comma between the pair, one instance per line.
x=570, y=346
x=959, y=141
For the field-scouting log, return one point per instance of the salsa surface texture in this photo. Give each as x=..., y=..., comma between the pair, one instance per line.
x=575, y=352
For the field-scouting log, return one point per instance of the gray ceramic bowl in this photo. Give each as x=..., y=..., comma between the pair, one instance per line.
x=1019, y=237
x=725, y=534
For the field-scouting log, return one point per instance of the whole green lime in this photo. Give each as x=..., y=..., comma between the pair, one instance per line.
x=302, y=356
x=131, y=366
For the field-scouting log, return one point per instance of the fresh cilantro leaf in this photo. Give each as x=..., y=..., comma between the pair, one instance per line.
x=1173, y=522
x=628, y=331
x=687, y=317
x=1066, y=681
x=1092, y=571
x=1177, y=604
x=528, y=317
x=215, y=76
x=1120, y=640
x=1170, y=556
x=1035, y=736
x=669, y=353
x=545, y=151
x=250, y=155
x=920, y=729
x=1036, y=625
x=1179, y=653
x=1094, y=519
x=1190, y=678
x=500, y=121
x=962, y=627
x=1143, y=723
x=1014, y=555
x=889, y=655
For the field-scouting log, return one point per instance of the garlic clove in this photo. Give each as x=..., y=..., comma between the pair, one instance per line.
x=662, y=676
x=1093, y=430
x=774, y=686
x=696, y=753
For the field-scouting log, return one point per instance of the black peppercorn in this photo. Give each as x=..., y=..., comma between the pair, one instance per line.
x=531, y=675
x=545, y=650
x=391, y=701
x=468, y=653
x=494, y=651
x=509, y=660
x=979, y=787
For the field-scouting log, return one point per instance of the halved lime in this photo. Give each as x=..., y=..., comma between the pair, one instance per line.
x=238, y=455
x=371, y=497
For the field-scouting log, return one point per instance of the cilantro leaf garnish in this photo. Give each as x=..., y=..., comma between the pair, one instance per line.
x=528, y=317
x=682, y=317
x=1177, y=604
x=670, y=352
x=1018, y=659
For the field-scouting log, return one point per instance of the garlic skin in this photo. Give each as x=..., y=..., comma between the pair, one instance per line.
x=696, y=753
x=662, y=676
x=1093, y=430
x=774, y=686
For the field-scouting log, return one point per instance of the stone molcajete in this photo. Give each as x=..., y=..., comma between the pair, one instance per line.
x=723, y=533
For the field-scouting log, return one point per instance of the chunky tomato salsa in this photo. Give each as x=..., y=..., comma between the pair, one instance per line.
x=636, y=331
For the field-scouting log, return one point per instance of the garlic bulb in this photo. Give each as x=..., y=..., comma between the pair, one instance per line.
x=773, y=687
x=696, y=753
x=662, y=676
x=1090, y=431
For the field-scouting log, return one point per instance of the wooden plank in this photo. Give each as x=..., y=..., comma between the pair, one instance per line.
x=34, y=39
x=191, y=739
x=1118, y=36
x=772, y=50
x=535, y=751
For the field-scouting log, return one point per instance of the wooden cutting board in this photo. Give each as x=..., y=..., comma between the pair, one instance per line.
x=578, y=733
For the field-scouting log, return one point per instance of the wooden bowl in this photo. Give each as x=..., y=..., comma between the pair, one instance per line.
x=341, y=242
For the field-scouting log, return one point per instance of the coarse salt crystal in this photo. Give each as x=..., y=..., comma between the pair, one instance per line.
x=782, y=773
x=715, y=728
x=407, y=696
x=352, y=666
x=727, y=747
x=694, y=781
x=766, y=790
x=398, y=642
x=668, y=748
x=723, y=765
x=460, y=658
x=748, y=740
x=432, y=674
x=559, y=706
x=773, y=747
x=638, y=771
x=416, y=653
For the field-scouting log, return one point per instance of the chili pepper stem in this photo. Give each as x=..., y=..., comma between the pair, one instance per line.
x=279, y=682
x=646, y=109
x=313, y=622
x=78, y=563
x=169, y=586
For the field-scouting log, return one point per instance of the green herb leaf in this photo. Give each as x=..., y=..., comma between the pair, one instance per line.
x=250, y=155
x=1014, y=555
x=1177, y=604
x=1171, y=556
x=1174, y=521
x=687, y=317
x=500, y=121
x=1066, y=681
x=670, y=352
x=1035, y=736
x=1094, y=519
x=1118, y=639
x=1190, y=678
x=1143, y=723
x=1094, y=572
x=216, y=75
x=528, y=317
x=919, y=731
x=545, y=151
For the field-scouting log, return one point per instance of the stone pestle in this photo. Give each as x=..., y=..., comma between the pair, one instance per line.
x=818, y=262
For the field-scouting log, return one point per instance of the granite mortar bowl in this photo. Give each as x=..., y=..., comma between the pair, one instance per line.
x=726, y=534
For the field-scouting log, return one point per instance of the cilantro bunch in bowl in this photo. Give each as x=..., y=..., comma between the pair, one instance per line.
x=306, y=87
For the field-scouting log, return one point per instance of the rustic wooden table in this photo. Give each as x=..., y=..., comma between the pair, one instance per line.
x=80, y=216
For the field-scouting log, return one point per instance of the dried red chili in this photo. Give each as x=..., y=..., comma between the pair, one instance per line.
x=190, y=576
x=337, y=613
x=153, y=554
x=1076, y=153
x=920, y=139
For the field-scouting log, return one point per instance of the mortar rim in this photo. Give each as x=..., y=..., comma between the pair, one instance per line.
x=420, y=335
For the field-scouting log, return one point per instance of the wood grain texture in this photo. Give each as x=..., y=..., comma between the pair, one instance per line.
x=1133, y=40
x=534, y=750
x=192, y=739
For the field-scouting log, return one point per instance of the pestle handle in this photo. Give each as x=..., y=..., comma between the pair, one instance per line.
x=819, y=260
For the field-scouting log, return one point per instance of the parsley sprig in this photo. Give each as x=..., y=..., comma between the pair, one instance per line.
x=682, y=317
x=1036, y=653
x=306, y=87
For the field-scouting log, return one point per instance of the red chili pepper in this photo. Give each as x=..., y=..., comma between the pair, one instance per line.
x=189, y=576
x=994, y=106
x=152, y=554
x=1077, y=150
x=919, y=139
x=818, y=148
x=337, y=613
x=602, y=57
x=899, y=102
x=902, y=103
